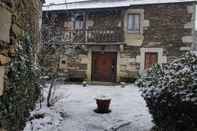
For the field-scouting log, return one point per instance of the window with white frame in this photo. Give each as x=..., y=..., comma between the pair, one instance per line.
x=133, y=23
x=149, y=57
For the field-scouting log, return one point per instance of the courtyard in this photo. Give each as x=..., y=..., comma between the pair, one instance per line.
x=73, y=110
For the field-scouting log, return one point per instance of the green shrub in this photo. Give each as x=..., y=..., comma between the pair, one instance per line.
x=170, y=92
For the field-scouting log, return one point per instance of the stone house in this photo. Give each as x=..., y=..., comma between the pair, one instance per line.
x=122, y=38
x=17, y=17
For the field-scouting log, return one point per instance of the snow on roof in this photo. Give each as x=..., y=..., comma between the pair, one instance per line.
x=48, y=2
x=51, y=5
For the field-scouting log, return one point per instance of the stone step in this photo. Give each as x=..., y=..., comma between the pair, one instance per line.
x=103, y=83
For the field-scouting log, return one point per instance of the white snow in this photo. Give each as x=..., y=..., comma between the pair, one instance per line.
x=74, y=105
x=48, y=2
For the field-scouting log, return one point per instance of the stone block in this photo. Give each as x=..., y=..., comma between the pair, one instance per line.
x=83, y=67
x=84, y=59
x=2, y=72
x=4, y=60
x=126, y=55
x=5, y=23
x=154, y=43
x=188, y=26
x=134, y=39
x=146, y=23
x=121, y=48
x=123, y=67
x=138, y=59
x=12, y=51
x=4, y=51
x=185, y=48
x=36, y=4
x=1, y=129
x=190, y=9
x=187, y=39
x=127, y=60
x=123, y=74
x=163, y=59
x=131, y=67
x=124, y=61
x=17, y=30
x=77, y=74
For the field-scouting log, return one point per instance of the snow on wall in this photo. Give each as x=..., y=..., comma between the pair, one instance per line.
x=86, y=4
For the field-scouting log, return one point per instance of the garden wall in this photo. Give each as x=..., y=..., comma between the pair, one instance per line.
x=20, y=22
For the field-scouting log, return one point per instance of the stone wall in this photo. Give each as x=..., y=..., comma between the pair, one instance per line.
x=167, y=30
x=170, y=27
x=75, y=67
x=17, y=18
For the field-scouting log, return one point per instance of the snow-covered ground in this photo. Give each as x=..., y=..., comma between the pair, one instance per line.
x=74, y=105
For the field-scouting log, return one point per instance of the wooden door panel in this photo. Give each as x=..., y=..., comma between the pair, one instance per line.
x=151, y=58
x=104, y=67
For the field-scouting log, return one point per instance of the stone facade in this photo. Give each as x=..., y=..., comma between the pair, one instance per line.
x=165, y=29
x=17, y=17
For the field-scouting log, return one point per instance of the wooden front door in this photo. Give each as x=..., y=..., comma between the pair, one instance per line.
x=104, y=67
x=151, y=58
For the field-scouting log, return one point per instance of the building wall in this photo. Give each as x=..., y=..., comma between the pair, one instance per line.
x=166, y=29
x=17, y=17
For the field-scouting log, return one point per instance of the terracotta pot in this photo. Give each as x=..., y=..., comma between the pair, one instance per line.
x=103, y=105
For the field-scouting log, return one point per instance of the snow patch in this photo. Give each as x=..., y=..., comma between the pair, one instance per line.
x=73, y=110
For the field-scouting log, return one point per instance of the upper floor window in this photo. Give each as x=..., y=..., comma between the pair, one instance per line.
x=133, y=23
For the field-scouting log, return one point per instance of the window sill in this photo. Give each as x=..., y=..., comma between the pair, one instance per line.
x=133, y=32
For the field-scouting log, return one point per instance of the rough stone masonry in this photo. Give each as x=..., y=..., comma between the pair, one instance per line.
x=17, y=18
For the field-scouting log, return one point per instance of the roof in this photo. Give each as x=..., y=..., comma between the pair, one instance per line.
x=51, y=5
x=43, y=1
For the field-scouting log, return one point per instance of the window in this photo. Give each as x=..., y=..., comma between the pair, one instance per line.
x=151, y=58
x=133, y=23
x=79, y=23
x=63, y=62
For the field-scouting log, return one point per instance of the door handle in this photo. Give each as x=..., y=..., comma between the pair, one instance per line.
x=112, y=66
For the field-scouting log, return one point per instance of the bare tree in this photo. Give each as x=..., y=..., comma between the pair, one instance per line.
x=53, y=47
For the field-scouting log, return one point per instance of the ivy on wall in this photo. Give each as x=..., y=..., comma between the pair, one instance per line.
x=22, y=88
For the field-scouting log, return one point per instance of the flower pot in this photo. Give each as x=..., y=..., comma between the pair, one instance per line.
x=103, y=105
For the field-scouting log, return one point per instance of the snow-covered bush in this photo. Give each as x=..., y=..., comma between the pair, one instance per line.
x=171, y=93
x=22, y=90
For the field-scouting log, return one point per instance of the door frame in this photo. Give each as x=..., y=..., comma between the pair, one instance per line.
x=141, y=58
x=114, y=79
x=148, y=59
